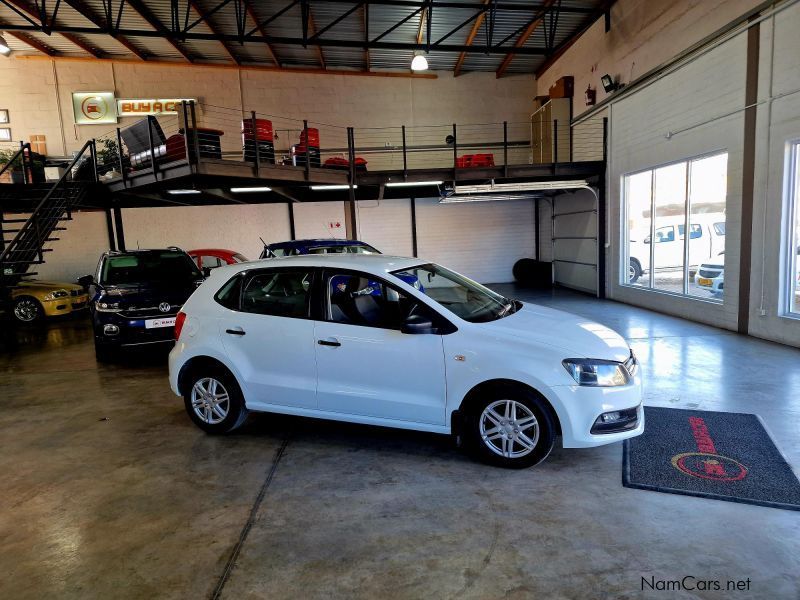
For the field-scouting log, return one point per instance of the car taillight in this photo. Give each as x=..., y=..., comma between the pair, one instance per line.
x=179, y=320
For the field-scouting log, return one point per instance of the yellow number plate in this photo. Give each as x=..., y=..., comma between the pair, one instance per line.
x=704, y=282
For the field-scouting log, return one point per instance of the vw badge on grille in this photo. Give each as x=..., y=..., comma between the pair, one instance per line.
x=164, y=307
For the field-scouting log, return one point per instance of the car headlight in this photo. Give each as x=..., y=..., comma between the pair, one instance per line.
x=595, y=372
x=107, y=306
x=56, y=294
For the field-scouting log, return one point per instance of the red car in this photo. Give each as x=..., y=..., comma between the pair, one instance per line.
x=211, y=258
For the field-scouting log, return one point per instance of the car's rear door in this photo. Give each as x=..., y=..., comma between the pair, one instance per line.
x=270, y=336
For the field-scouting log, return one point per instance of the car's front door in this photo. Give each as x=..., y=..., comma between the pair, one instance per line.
x=269, y=335
x=365, y=365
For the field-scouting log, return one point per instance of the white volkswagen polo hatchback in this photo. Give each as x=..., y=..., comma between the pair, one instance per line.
x=399, y=342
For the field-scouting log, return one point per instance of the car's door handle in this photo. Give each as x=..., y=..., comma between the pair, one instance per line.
x=333, y=343
x=236, y=331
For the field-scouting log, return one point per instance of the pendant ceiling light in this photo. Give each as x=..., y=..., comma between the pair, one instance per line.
x=5, y=50
x=419, y=63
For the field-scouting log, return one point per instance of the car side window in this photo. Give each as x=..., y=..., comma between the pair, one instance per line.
x=665, y=234
x=211, y=262
x=362, y=299
x=280, y=293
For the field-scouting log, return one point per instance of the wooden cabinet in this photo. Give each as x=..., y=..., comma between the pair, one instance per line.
x=550, y=131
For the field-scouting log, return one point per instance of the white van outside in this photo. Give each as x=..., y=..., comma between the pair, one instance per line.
x=706, y=239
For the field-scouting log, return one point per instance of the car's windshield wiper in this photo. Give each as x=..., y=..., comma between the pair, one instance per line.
x=509, y=307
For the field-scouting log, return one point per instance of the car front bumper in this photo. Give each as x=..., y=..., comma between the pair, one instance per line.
x=131, y=332
x=64, y=306
x=583, y=405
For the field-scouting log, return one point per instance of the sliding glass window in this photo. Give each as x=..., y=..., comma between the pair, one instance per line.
x=661, y=205
x=791, y=279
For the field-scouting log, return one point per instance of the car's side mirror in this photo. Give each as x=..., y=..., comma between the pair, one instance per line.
x=206, y=271
x=86, y=280
x=416, y=324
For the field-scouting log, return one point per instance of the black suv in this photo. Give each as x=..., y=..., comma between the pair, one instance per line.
x=135, y=296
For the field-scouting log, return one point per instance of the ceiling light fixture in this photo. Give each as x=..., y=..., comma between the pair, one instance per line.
x=248, y=190
x=322, y=188
x=5, y=49
x=466, y=199
x=419, y=62
x=528, y=186
x=183, y=192
x=412, y=183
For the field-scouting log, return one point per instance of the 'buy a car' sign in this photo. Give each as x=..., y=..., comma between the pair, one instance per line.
x=103, y=107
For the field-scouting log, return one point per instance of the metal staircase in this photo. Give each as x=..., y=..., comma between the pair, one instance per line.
x=30, y=215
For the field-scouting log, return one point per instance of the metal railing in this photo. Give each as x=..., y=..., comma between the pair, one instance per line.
x=205, y=132
x=27, y=246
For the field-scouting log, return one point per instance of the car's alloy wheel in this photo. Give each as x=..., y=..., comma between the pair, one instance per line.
x=210, y=400
x=507, y=425
x=214, y=400
x=27, y=310
x=509, y=428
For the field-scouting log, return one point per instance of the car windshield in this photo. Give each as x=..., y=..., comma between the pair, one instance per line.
x=350, y=249
x=239, y=258
x=461, y=296
x=149, y=267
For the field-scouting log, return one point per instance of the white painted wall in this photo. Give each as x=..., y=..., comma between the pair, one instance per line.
x=188, y=227
x=386, y=225
x=695, y=96
x=778, y=122
x=78, y=249
x=318, y=220
x=644, y=34
x=481, y=240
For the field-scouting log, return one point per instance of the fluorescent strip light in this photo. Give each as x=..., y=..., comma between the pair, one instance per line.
x=320, y=188
x=528, y=186
x=468, y=199
x=413, y=183
x=250, y=190
x=182, y=192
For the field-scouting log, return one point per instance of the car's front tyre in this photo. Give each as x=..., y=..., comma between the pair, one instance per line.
x=509, y=427
x=27, y=309
x=214, y=400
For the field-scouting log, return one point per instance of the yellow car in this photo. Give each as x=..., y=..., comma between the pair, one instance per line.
x=33, y=300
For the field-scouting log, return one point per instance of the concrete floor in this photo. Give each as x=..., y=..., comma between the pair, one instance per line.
x=110, y=491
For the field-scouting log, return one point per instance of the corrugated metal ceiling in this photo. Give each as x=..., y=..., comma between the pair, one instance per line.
x=507, y=24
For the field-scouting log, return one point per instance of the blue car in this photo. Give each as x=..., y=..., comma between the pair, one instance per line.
x=331, y=246
x=320, y=246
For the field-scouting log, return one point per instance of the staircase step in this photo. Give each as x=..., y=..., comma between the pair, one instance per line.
x=30, y=250
x=22, y=262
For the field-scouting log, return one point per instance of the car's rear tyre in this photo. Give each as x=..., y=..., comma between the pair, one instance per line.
x=634, y=271
x=510, y=427
x=214, y=400
x=28, y=310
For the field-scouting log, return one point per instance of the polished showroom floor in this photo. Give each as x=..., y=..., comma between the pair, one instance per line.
x=109, y=491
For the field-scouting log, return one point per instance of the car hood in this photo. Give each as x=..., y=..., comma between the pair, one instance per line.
x=50, y=285
x=145, y=293
x=575, y=335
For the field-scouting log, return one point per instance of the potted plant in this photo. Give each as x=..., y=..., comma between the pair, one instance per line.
x=107, y=157
x=13, y=174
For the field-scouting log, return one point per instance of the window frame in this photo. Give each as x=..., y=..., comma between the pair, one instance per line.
x=311, y=312
x=791, y=209
x=442, y=323
x=624, y=255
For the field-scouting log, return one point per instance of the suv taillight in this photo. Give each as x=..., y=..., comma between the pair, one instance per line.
x=179, y=320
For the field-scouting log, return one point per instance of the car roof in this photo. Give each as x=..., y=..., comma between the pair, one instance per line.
x=317, y=242
x=143, y=251
x=212, y=251
x=373, y=263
